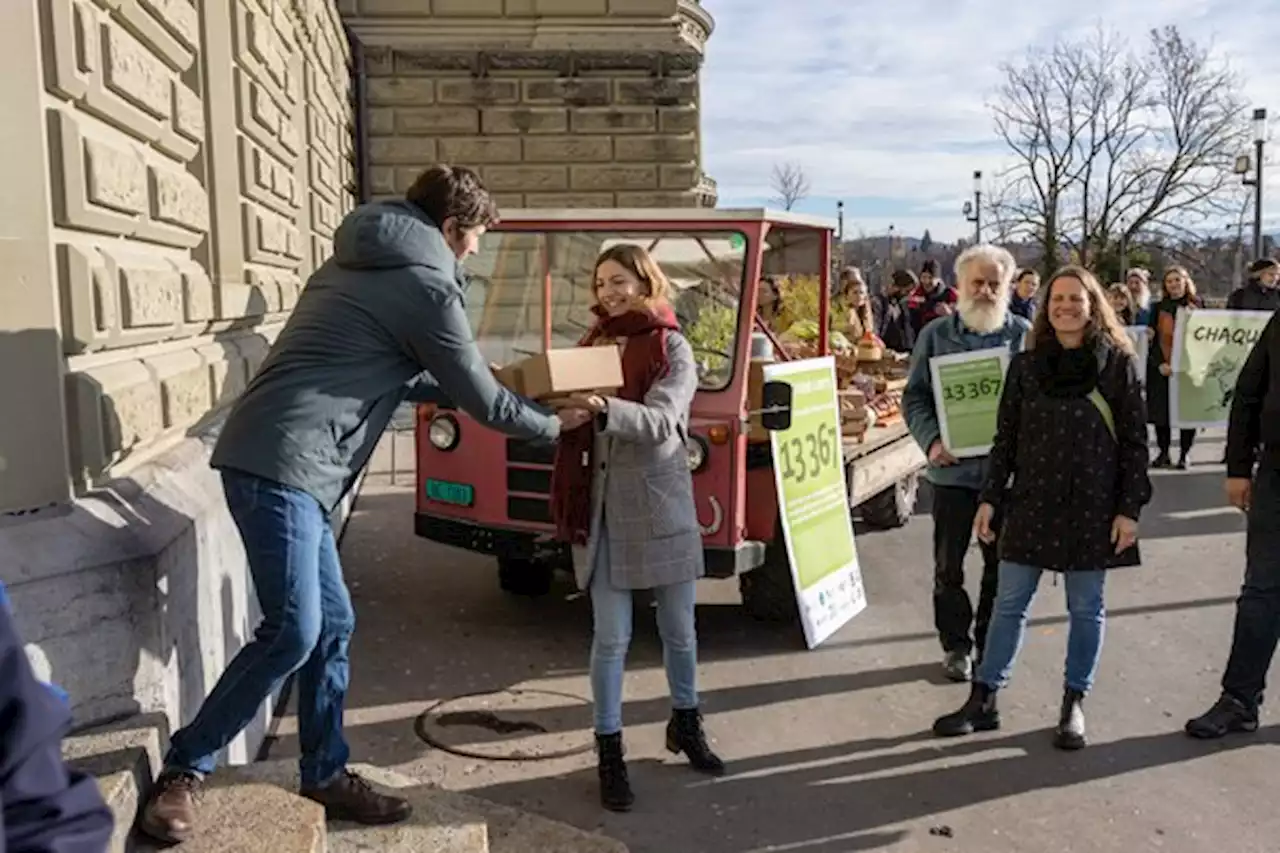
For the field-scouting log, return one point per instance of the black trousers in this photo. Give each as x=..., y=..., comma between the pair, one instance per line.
x=953, y=613
x=1164, y=438
x=1258, y=608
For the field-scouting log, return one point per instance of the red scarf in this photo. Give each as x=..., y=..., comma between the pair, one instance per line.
x=644, y=361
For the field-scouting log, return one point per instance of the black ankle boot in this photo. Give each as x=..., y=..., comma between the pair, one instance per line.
x=615, y=787
x=978, y=714
x=1069, y=733
x=685, y=734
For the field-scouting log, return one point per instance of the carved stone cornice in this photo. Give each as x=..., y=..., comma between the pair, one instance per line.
x=707, y=191
x=561, y=63
x=696, y=23
x=684, y=33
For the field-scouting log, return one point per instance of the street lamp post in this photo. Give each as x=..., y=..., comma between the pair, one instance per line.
x=838, y=259
x=1259, y=140
x=1243, y=167
x=973, y=209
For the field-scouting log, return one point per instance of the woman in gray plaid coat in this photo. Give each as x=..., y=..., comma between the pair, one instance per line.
x=623, y=497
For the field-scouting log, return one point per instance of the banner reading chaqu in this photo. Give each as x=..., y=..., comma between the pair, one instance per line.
x=1209, y=349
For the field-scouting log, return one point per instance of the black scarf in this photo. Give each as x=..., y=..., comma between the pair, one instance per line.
x=1063, y=372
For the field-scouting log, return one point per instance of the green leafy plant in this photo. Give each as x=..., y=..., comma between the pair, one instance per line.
x=799, y=317
x=711, y=336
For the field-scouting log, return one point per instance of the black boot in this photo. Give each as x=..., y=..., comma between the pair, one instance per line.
x=978, y=714
x=685, y=734
x=615, y=787
x=1227, y=715
x=1069, y=733
x=1162, y=460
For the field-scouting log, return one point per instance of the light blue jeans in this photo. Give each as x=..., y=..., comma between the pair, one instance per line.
x=1009, y=623
x=611, y=610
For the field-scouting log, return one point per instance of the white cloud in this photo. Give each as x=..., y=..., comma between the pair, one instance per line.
x=888, y=99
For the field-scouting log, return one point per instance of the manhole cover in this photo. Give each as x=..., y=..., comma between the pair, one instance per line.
x=509, y=725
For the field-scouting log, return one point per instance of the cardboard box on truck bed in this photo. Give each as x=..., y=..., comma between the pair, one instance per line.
x=559, y=372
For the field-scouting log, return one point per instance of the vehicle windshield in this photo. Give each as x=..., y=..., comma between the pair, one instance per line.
x=508, y=275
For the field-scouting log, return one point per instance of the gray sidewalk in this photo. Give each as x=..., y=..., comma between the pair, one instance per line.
x=829, y=750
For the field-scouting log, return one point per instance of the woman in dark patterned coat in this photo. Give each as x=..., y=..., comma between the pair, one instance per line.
x=1068, y=473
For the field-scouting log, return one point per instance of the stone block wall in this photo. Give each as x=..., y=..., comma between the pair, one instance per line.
x=557, y=103
x=174, y=170
x=196, y=179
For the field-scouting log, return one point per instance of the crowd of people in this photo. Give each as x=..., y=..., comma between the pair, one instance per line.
x=1066, y=479
x=1061, y=491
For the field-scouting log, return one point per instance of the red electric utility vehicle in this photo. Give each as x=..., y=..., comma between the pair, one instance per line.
x=531, y=290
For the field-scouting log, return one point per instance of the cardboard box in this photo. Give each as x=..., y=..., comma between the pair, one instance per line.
x=558, y=372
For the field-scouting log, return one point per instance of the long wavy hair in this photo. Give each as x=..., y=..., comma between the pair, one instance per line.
x=1103, y=323
x=639, y=263
x=1192, y=296
x=851, y=278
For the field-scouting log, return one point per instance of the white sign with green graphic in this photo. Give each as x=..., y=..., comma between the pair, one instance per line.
x=1209, y=349
x=966, y=393
x=1140, y=337
x=813, y=503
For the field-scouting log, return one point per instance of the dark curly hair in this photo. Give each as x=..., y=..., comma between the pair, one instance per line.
x=453, y=192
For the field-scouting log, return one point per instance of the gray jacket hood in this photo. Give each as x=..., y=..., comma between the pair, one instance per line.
x=392, y=235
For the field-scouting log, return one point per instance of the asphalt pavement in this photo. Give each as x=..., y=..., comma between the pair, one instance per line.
x=829, y=750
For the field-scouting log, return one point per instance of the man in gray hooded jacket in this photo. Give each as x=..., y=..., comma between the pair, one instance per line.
x=381, y=322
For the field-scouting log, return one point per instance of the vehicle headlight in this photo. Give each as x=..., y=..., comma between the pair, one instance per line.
x=443, y=433
x=696, y=447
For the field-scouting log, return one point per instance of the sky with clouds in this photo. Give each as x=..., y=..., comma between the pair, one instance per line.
x=884, y=104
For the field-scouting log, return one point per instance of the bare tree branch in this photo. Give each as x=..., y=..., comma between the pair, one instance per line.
x=1108, y=144
x=790, y=185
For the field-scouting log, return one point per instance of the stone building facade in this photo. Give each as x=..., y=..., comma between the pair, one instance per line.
x=559, y=103
x=173, y=170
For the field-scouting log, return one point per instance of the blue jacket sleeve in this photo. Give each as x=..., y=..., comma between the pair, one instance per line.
x=917, y=398
x=437, y=336
x=425, y=389
x=44, y=806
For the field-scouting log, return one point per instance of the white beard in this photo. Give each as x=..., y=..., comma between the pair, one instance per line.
x=981, y=316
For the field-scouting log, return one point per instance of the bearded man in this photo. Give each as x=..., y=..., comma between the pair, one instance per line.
x=984, y=277
x=1138, y=280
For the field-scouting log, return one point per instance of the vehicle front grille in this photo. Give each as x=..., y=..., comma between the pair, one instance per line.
x=529, y=481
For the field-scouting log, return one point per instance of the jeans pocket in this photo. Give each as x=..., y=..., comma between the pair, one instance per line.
x=242, y=491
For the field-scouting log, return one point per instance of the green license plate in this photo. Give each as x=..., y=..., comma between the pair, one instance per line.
x=445, y=492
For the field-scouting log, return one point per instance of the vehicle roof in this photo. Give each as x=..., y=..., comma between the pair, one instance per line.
x=725, y=215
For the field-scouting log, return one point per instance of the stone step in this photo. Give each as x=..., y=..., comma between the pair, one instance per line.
x=436, y=826
x=443, y=821
x=510, y=830
x=124, y=757
x=242, y=816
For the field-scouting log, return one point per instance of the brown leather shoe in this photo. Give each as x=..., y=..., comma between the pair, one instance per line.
x=170, y=814
x=351, y=798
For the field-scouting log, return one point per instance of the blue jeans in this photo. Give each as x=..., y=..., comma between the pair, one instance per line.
x=307, y=620
x=1017, y=587
x=612, y=611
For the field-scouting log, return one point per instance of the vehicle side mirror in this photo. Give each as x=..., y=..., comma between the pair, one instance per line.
x=775, y=411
